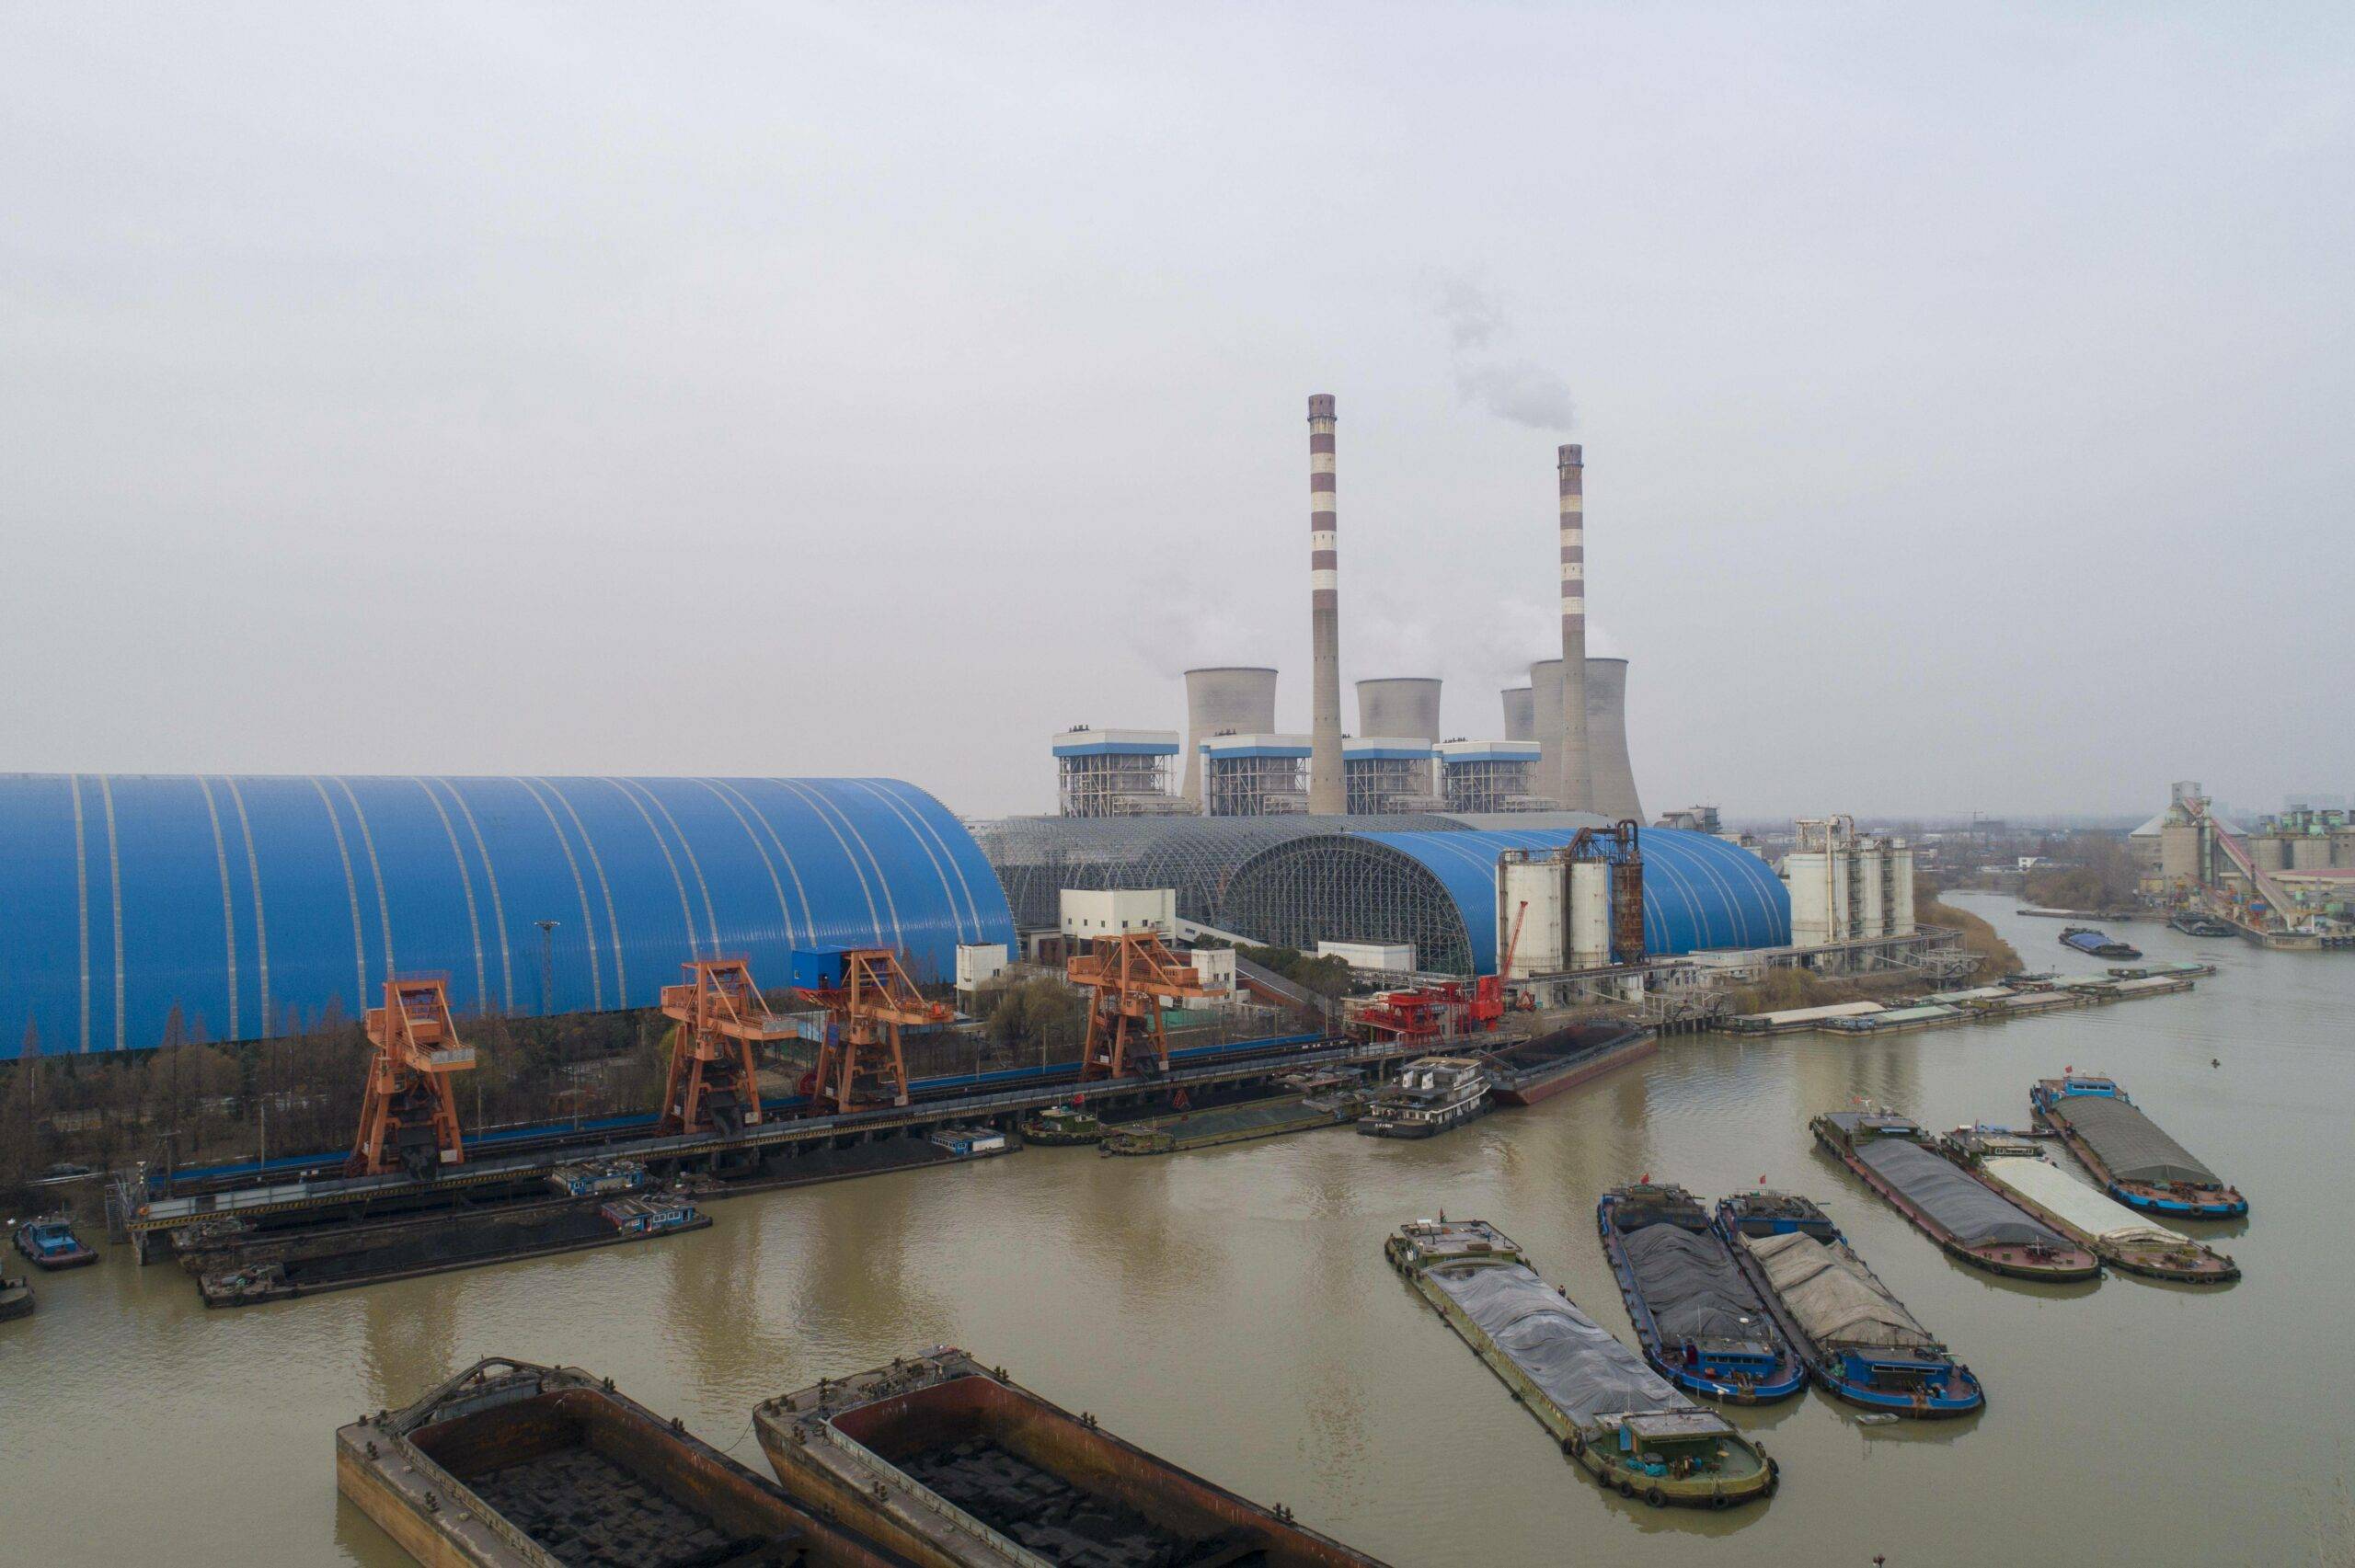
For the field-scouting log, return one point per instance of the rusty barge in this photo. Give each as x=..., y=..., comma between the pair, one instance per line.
x=1540, y=1069
x=954, y=1465
x=513, y=1465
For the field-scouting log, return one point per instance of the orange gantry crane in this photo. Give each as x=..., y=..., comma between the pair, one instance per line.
x=867, y=1001
x=408, y=1118
x=1133, y=974
x=723, y=1022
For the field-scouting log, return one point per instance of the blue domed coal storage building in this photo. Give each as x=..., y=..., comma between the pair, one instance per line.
x=1436, y=891
x=254, y=905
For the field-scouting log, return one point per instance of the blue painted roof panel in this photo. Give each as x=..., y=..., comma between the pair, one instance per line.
x=1699, y=891
x=253, y=904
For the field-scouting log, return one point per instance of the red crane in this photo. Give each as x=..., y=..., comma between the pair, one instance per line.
x=866, y=1002
x=409, y=1116
x=722, y=1022
x=1487, y=1004
x=1133, y=974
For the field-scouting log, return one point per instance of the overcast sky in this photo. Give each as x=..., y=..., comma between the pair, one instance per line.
x=494, y=388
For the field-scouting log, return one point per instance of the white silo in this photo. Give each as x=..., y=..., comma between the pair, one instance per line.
x=1869, y=883
x=1530, y=892
x=1901, y=887
x=1589, y=913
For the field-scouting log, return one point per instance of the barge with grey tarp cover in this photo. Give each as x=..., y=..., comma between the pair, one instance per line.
x=513, y=1465
x=2128, y=1153
x=1616, y=1418
x=1965, y=1216
x=1859, y=1339
x=954, y=1465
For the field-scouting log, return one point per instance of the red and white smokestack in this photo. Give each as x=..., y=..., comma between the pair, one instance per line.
x=1577, y=782
x=1327, y=792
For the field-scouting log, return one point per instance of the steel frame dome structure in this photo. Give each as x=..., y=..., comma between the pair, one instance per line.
x=256, y=905
x=1438, y=892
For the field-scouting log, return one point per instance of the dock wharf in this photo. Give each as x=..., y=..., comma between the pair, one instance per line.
x=266, y=1198
x=2020, y=996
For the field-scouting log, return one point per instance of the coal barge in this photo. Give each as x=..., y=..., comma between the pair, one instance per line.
x=1225, y=1124
x=954, y=1465
x=1539, y=1069
x=1966, y=1217
x=1701, y=1321
x=513, y=1465
x=2097, y=945
x=1859, y=1339
x=450, y=1242
x=2116, y=1234
x=2127, y=1152
x=1613, y=1417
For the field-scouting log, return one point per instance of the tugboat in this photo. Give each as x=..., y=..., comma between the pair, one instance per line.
x=1701, y=1321
x=2141, y=1166
x=16, y=1298
x=2097, y=944
x=1431, y=1095
x=1857, y=1336
x=1062, y=1124
x=2191, y=922
x=1966, y=1217
x=48, y=1243
x=1615, y=1417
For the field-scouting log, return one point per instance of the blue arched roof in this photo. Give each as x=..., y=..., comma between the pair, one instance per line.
x=1699, y=891
x=250, y=901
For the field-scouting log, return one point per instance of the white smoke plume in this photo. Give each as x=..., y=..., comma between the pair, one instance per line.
x=1511, y=386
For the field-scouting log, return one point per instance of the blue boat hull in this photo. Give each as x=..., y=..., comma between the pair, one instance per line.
x=2178, y=1207
x=1790, y=1375
x=1831, y=1374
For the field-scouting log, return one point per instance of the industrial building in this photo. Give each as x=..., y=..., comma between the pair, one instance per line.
x=1116, y=772
x=1847, y=886
x=1489, y=775
x=1254, y=775
x=254, y=905
x=2290, y=881
x=1225, y=700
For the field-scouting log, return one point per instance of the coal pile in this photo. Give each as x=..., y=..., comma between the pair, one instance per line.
x=590, y=1513
x=1050, y=1516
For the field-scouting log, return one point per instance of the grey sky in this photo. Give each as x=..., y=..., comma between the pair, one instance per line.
x=491, y=388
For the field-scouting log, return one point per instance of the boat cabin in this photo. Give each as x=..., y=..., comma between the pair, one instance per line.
x=2087, y=1083
x=1672, y=1442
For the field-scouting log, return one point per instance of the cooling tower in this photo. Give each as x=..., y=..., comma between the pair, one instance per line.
x=1327, y=793
x=1578, y=780
x=1521, y=720
x=1606, y=738
x=1405, y=705
x=1545, y=714
x=1227, y=700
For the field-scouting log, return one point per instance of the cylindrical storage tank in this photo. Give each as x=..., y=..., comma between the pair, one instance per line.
x=1536, y=884
x=1546, y=705
x=1901, y=888
x=1400, y=705
x=1521, y=719
x=2270, y=853
x=1612, y=774
x=1871, y=884
x=1225, y=700
x=2310, y=852
x=2342, y=848
x=1817, y=880
x=1589, y=913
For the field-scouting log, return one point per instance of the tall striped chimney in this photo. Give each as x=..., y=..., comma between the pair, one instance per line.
x=1577, y=783
x=1326, y=792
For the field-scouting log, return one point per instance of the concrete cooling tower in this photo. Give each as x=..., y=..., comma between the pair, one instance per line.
x=1406, y=705
x=1227, y=700
x=1606, y=738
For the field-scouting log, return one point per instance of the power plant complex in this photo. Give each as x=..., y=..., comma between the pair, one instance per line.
x=142, y=909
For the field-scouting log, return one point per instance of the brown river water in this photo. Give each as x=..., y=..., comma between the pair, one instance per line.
x=1231, y=1310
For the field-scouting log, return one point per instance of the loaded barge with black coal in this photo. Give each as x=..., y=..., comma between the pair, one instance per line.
x=1700, y=1320
x=1858, y=1338
x=1613, y=1415
x=244, y=1275
x=1960, y=1212
x=513, y=1465
x=2127, y=1152
x=954, y=1465
x=1537, y=1069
